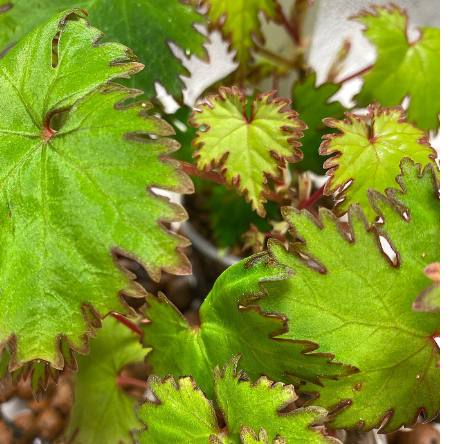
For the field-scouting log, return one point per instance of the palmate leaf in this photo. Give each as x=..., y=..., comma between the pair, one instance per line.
x=403, y=68
x=144, y=25
x=312, y=105
x=239, y=22
x=183, y=414
x=348, y=297
x=74, y=199
x=246, y=149
x=102, y=411
x=228, y=328
x=369, y=155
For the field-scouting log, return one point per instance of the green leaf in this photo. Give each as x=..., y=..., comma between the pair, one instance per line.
x=312, y=105
x=369, y=155
x=183, y=414
x=246, y=149
x=230, y=325
x=254, y=239
x=147, y=26
x=240, y=24
x=102, y=411
x=347, y=296
x=403, y=68
x=230, y=216
x=72, y=200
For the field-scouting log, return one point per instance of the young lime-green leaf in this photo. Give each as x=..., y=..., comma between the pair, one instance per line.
x=312, y=105
x=246, y=149
x=71, y=200
x=403, y=68
x=103, y=412
x=429, y=299
x=146, y=26
x=369, y=155
x=254, y=239
x=228, y=328
x=239, y=22
x=350, y=298
x=183, y=413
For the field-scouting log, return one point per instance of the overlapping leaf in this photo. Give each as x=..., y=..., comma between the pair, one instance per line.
x=348, y=297
x=403, y=68
x=246, y=149
x=103, y=412
x=72, y=200
x=312, y=105
x=369, y=155
x=239, y=22
x=227, y=328
x=146, y=26
x=183, y=414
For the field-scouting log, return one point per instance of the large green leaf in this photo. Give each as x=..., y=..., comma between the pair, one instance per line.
x=239, y=22
x=183, y=414
x=72, y=200
x=312, y=105
x=349, y=297
x=102, y=411
x=369, y=155
x=247, y=149
x=228, y=328
x=403, y=68
x=147, y=26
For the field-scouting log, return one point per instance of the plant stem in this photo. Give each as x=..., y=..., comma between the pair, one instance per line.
x=214, y=176
x=357, y=74
x=291, y=30
x=277, y=58
x=127, y=323
x=308, y=202
x=125, y=380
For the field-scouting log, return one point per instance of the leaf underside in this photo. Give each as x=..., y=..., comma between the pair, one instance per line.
x=403, y=68
x=73, y=199
x=182, y=413
x=349, y=297
x=369, y=155
x=145, y=26
x=246, y=150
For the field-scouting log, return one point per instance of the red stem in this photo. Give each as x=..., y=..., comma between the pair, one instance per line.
x=127, y=323
x=308, y=202
x=125, y=380
x=357, y=74
x=290, y=29
x=214, y=176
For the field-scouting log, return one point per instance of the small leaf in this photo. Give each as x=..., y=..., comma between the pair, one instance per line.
x=183, y=414
x=102, y=411
x=403, y=68
x=75, y=198
x=312, y=105
x=350, y=298
x=254, y=240
x=147, y=26
x=239, y=22
x=246, y=149
x=230, y=325
x=429, y=299
x=369, y=155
